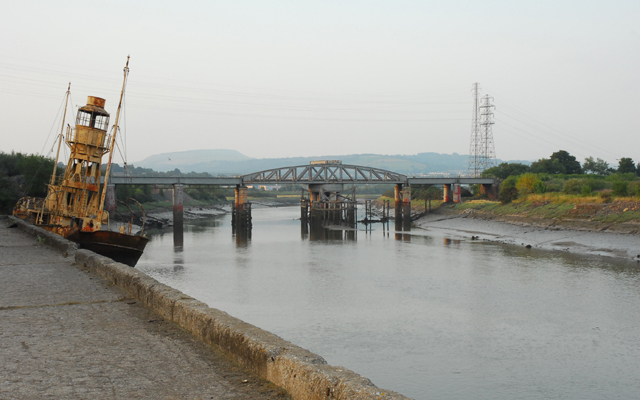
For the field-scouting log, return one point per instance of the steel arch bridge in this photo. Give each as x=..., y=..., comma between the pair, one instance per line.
x=324, y=173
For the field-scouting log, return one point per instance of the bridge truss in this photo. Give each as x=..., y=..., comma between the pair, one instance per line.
x=326, y=173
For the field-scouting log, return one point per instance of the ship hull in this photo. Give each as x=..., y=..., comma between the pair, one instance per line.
x=120, y=247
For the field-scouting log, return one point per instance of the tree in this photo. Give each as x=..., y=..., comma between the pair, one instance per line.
x=9, y=194
x=9, y=163
x=548, y=166
x=505, y=170
x=37, y=173
x=626, y=165
x=569, y=162
x=598, y=167
x=527, y=184
x=508, y=190
x=560, y=162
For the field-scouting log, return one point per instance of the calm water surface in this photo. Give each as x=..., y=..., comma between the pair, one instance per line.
x=433, y=316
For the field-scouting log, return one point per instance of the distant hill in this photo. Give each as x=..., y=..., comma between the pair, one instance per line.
x=187, y=160
x=231, y=162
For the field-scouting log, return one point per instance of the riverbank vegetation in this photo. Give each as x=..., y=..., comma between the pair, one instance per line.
x=559, y=206
x=562, y=173
x=23, y=175
x=561, y=188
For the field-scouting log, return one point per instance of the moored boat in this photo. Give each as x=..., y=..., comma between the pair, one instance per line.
x=75, y=204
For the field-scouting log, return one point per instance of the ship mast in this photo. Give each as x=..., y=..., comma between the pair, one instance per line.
x=113, y=143
x=55, y=166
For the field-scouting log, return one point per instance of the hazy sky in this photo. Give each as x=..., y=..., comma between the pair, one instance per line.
x=304, y=78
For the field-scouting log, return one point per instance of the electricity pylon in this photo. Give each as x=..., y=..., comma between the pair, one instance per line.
x=482, y=153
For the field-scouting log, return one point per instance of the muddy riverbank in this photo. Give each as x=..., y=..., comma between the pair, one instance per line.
x=575, y=236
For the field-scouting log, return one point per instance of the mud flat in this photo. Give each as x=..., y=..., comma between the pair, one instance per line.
x=543, y=234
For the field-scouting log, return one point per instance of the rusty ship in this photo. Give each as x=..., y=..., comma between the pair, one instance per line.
x=75, y=203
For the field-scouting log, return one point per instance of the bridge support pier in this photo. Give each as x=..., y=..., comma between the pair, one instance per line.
x=326, y=206
x=110, y=201
x=178, y=214
x=304, y=215
x=241, y=214
x=397, y=191
x=406, y=208
x=402, y=210
x=447, y=193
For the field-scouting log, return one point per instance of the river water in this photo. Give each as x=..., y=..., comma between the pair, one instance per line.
x=432, y=315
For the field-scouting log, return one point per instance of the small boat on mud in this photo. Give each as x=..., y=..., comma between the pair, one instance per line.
x=74, y=206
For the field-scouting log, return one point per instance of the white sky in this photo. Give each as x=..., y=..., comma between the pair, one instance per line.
x=305, y=78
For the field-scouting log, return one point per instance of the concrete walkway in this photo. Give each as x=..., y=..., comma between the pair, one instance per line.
x=65, y=333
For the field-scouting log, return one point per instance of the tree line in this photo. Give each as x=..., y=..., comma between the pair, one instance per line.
x=23, y=175
x=562, y=172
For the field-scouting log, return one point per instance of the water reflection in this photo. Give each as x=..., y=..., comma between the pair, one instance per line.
x=318, y=232
x=243, y=237
x=178, y=258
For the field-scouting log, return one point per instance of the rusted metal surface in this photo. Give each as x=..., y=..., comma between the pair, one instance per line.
x=324, y=162
x=96, y=101
x=325, y=173
x=73, y=206
x=126, y=249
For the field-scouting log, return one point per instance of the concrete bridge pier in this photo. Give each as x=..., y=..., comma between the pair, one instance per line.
x=448, y=193
x=402, y=208
x=406, y=208
x=398, y=206
x=110, y=201
x=178, y=214
x=241, y=212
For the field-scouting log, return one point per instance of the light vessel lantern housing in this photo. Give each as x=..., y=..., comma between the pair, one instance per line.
x=93, y=115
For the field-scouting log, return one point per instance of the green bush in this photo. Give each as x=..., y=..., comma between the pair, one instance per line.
x=597, y=184
x=572, y=186
x=634, y=188
x=509, y=182
x=554, y=185
x=539, y=187
x=508, y=194
x=606, y=195
x=527, y=183
x=619, y=188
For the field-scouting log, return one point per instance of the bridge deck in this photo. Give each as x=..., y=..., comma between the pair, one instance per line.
x=233, y=181
x=303, y=174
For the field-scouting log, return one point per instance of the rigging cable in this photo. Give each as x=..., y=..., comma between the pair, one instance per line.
x=41, y=154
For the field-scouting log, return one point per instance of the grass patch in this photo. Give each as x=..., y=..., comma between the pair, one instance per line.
x=617, y=218
x=533, y=206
